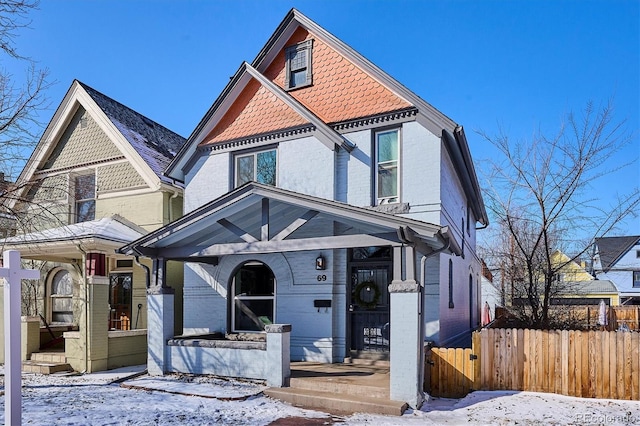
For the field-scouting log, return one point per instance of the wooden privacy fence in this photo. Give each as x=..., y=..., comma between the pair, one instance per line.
x=592, y=364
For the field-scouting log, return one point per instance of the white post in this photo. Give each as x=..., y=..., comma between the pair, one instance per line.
x=13, y=276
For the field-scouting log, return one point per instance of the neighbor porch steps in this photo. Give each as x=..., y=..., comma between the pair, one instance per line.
x=46, y=363
x=339, y=389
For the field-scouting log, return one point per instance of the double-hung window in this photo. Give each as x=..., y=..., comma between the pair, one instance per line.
x=85, y=198
x=636, y=279
x=298, y=65
x=256, y=166
x=387, y=154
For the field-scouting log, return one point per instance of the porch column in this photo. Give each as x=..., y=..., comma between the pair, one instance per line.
x=278, y=363
x=406, y=345
x=160, y=315
x=95, y=330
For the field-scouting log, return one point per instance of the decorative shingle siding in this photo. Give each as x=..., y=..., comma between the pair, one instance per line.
x=256, y=111
x=54, y=188
x=118, y=176
x=340, y=90
x=83, y=142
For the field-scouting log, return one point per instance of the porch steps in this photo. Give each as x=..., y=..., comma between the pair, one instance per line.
x=339, y=389
x=46, y=363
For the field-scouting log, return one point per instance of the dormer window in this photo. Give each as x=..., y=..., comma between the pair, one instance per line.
x=298, y=65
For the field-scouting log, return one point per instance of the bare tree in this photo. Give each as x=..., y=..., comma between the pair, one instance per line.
x=22, y=97
x=541, y=200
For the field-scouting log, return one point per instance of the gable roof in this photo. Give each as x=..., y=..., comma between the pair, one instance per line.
x=589, y=287
x=147, y=145
x=156, y=144
x=367, y=91
x=611, y=249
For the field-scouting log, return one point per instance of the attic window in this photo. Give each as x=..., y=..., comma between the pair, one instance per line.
x=298, y=65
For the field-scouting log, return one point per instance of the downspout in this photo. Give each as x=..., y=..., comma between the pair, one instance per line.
x=147, y=271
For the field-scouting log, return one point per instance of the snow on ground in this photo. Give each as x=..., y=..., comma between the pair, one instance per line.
x=99, y=399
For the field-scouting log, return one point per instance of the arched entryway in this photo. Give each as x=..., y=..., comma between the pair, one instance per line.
x=253, y=290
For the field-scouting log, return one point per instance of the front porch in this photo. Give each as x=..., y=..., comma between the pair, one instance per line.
x=261, y=257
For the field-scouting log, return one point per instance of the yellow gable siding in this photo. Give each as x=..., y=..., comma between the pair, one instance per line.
x=82, y=142
x=571, y=271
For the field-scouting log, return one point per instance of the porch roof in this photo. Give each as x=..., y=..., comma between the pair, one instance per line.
x=256, y=218
x=70, y=241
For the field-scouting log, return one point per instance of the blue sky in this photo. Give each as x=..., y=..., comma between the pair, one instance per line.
x=518, y=65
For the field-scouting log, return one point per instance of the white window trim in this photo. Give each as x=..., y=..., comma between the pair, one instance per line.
x=72, y=192
x=253, y=153
x=397, y=197
x=305, y=45
x=51, y=296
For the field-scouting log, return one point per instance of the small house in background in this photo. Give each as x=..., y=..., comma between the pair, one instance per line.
x=93, y=183
x=331, y=217
x=574, y=285
x=617, y=259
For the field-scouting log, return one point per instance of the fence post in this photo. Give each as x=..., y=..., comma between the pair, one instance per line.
x=476, y=349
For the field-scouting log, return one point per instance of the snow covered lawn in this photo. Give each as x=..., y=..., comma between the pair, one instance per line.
x=93, y=399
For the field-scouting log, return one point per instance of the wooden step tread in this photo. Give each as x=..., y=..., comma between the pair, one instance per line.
x=337, y=403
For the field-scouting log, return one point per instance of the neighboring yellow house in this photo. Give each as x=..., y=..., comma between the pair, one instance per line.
x=578, y=287
x=93, y=184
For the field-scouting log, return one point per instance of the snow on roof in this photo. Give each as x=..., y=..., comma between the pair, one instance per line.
x=112, y=228
x=156, y=144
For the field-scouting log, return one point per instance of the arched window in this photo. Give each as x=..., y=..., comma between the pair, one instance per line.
x=253, y=288
x=62, y=298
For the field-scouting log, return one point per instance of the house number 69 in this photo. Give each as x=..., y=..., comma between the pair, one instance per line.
x=321, y=277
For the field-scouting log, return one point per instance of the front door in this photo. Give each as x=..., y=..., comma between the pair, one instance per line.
x=368, y=302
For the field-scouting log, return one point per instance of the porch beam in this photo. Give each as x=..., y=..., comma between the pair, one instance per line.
x=245, y=236
x=310, y=214
x=318, y=243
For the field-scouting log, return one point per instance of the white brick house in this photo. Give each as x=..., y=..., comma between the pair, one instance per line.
x=322, y=194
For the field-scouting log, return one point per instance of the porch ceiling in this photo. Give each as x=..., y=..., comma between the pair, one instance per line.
x=257, y=218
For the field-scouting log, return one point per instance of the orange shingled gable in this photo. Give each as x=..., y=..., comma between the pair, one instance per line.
x=255, y=111
x=340, y=91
